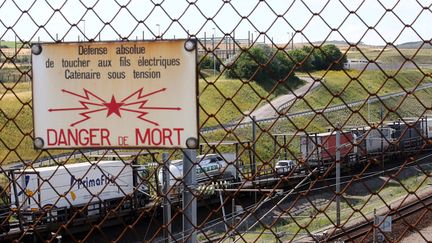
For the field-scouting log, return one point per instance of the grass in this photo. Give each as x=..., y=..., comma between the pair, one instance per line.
x=391, y=55
x=11, y=44
x=340, y=86
x=228, y=100
x=225, y=100
x=15, y=121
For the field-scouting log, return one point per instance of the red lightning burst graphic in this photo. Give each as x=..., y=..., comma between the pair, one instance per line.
x=135, y=103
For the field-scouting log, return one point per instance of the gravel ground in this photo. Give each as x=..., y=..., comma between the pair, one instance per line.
x=415, y=228
x=417, y=232
x=425, y=235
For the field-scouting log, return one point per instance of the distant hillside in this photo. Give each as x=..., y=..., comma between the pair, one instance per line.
x=11, y=44
x=414, y=45
x=334, y=42
x=407, y=45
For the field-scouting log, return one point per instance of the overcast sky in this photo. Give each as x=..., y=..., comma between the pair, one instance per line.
x=31, y=20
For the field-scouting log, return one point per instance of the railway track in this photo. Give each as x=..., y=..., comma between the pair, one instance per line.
x=364, y=230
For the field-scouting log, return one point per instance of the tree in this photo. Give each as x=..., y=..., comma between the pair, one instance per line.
x=317, y=57
x=261, y=63
x=325, y=57
x=301, y=58
x=333, y=57
x=247, y=64
x=207, y=63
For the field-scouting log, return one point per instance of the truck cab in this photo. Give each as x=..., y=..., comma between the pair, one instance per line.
x=284, y=166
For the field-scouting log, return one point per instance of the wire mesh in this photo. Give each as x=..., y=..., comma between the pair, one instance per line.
x=314, y=125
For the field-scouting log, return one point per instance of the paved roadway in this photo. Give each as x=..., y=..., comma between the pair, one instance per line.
x=269, y=110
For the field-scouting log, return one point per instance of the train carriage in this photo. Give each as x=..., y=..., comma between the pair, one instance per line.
x=372, y=141
x=320, y=148
x=409, y=134
x=82, y=185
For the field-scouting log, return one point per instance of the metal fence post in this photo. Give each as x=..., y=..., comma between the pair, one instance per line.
x=338, y=133
x=166, y=199
x=374, y=226
x=189, y=200
x=253, y=167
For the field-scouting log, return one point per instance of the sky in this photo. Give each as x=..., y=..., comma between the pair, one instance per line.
x=368, y=21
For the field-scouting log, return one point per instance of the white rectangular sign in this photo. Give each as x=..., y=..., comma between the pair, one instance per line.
x=385, y=223
x=115, y=94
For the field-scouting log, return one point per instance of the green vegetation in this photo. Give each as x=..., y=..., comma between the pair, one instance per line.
x=262, y=64
x=323, y=58
x=16, y=122
x=209, y=62
x=227, y=100
x=265, y=64
x=348, y=86
x=11, y=44
x=392, y=55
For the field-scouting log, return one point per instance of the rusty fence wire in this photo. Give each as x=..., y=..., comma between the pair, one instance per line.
x=314, y=125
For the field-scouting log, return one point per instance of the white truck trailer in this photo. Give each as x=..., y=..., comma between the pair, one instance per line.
x=210, y=167
x=69, y=186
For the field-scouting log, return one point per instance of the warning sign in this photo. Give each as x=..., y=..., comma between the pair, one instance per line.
x=115, y=94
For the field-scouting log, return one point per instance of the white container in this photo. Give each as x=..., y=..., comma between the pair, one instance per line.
x=373, y=140
x=71, y=185
x=209, y=166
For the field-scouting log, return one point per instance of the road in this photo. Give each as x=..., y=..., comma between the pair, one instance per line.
x=269, y=110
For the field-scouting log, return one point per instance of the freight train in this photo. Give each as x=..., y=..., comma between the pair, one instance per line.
x=83, y=190
x=360, y=144
x=51, y=195
x=80, y=191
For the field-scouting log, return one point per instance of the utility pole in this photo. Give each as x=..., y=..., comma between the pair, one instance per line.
x=382, y=141
x=213, y=50
x=253, y=166
x=166, y=198
x=292, y=41
x=189, y=200
x=338, y=147
x=158, y=26
x=369, y=103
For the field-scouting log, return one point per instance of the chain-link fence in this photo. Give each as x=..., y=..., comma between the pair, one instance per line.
x=313, y=125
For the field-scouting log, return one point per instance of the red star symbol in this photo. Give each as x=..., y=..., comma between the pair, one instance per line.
x=113, y=107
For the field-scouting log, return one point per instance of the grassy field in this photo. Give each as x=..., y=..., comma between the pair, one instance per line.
x=391, y=55
x=346, y=86
x=16, y=122
x=227, y=100
x=11, y=44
